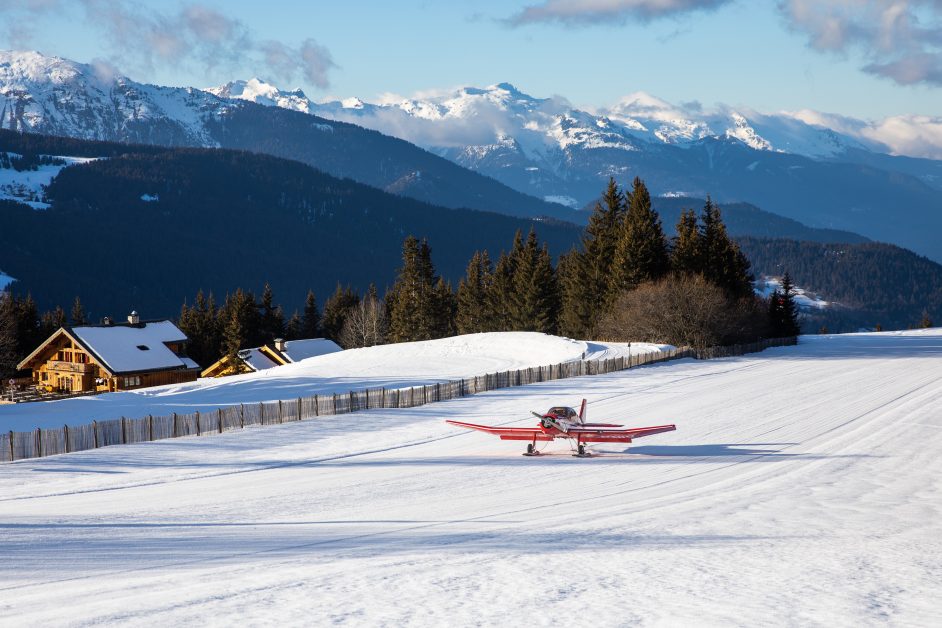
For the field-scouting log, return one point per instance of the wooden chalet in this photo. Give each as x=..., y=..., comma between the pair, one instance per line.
x=112, y=357
x=269, y=356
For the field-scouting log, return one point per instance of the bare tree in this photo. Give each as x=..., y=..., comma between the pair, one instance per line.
x=681, y=310
x=365, y=325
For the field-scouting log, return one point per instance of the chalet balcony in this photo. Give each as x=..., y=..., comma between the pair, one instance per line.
x=71, y=367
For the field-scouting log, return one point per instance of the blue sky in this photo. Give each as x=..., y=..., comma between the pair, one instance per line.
x=761, y=54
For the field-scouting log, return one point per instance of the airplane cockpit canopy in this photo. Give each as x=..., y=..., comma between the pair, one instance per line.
x=563, y=412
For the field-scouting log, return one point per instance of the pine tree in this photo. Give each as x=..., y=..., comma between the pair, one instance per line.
x=29, y=332
x=790, y=325
x=721, y=260
x=336, y=309
x=293, y=327
x=311, y=319
x=926, y=321
x=535, y=302
x=272, y=318
x=413, y=303
x=685, y=253
x=78, y=312
x=473, y=311
x=585, y=273
x=641, y=253
x=246, y=329
x=500, y=298
x=233, y=337
x=9, y=337
x=446, y=309
x=50, y=322
x=783, y=311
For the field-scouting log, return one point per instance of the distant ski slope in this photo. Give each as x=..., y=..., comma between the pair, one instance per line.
x=802, y=486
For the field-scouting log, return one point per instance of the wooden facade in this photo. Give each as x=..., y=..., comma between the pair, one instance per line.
x=63, y=363
x=227, y=365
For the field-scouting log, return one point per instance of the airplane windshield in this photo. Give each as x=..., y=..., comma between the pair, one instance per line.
x=563, y=412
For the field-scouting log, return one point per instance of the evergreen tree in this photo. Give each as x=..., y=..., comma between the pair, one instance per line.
x=240, y=321
x=9, y=338
x=293, y=327
x=721, y=260
x=586, y=272
x=414, y=309
x=685, y=253
x=783, y=311
x=336, y=309
x=78, y=312
x=446, y=309
x=926, y=321
x=234, y=335
x=641, y=253
x=272, y=318
x=50, y=322
x=29, y=332
x=500, y=298
x=535, y=303
x=473, y=311
x=311, y=319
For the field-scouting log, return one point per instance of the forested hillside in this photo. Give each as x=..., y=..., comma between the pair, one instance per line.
x=144, y=231
x=873, y=283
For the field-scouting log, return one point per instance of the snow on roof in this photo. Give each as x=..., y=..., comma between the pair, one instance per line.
x=127, y=349
x=256, y=360
x=298, y=350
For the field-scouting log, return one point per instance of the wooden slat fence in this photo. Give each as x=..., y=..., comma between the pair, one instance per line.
x=48, y=442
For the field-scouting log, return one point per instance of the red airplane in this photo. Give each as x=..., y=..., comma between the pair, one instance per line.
x=563, y=422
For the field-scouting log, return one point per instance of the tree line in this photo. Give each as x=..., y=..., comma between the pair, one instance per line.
x=625, y=280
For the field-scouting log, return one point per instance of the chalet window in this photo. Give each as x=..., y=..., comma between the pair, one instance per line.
x=143, y=347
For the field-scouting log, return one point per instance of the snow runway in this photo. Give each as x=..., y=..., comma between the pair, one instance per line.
x=802, y=486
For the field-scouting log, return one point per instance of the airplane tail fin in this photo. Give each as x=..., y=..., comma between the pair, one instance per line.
x=582, y=414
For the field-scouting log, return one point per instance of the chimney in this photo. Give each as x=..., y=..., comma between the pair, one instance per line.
x=106, y=321
x=133, y=318
x=280, y=344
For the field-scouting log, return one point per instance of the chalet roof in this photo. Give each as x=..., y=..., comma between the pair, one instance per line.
x=295, y=350
x=298, y=350
x=256, y=360
x=133, y=348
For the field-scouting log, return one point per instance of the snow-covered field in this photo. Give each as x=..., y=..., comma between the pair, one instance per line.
x=390, y=366
x=803, y=486
x=29, y=186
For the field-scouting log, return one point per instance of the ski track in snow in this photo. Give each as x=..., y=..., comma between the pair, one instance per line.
x=802, y=487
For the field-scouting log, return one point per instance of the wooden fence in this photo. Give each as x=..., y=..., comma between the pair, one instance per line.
x=66, y=439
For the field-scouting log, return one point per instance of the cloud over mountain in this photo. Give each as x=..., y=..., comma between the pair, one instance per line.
x=194, y=34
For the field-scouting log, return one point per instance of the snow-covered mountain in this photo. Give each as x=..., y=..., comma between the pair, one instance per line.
x=258, y=91
x=56, y=96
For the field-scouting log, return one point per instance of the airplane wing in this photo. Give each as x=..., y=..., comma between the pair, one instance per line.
x=507, y=433
x=603, y=435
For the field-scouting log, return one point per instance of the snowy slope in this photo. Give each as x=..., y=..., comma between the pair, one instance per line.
x=390, y=366
x=815, y=501
x=29, y=186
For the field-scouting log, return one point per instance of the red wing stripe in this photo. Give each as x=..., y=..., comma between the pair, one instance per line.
x=635, y=432
x=525, y=432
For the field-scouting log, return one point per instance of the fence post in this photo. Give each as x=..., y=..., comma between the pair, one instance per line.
x=335, y=403
x=174, y=415
x=150, y=427
x=299, y=408
x=198, y=423
x=38, y=443
x=124, y=431
x=241, y=416
x=281, y=412
x=350, y=406
x=219, y=418
x=315, y=406
x=65, y=430
x=95, y=432
x=12, y=450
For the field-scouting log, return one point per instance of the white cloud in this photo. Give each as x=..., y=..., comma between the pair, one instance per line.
x=194, y=34
x=900, y=39
x=593, y=11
